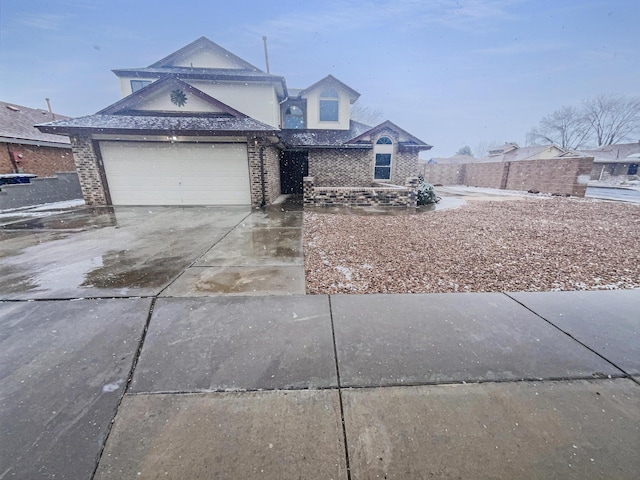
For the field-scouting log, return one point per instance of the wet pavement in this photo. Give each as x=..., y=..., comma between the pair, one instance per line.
x=168, y=343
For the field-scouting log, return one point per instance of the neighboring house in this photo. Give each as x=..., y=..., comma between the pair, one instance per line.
x=25, y=149
x=203, y=126
x=614, y=160
x=509, y=152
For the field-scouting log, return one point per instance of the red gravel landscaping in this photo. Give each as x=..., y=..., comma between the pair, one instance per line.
x=529, y=244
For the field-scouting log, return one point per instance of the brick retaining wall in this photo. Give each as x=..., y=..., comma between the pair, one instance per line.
x=382, y=196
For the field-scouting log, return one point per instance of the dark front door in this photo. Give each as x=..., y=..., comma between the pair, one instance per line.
x=294, y=166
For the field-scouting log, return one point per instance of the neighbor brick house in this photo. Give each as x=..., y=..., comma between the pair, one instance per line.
x=203, y=126
x=25, y=149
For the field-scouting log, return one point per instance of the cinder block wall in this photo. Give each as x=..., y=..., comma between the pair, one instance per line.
x=565, y=176
x=332, y=167
x=489, y=175
x=62, y=187
x=442, y=174
x=40, y=161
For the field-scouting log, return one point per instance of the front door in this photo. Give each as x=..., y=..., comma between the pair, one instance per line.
x=294, y=166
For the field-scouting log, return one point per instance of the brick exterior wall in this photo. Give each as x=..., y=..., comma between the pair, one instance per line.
x=563, y=176
x=88, y=171
x=342, y=167
x=360, y=196
x=40, y=161
x=271, y=159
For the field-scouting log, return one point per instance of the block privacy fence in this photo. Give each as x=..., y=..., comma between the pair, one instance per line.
x=561, y=176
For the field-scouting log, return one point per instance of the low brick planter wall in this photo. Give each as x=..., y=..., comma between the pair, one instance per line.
x=382, y=196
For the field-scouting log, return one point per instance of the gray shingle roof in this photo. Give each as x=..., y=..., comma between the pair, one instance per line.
x=17, y=123
x=322, y=138
x=157, y=123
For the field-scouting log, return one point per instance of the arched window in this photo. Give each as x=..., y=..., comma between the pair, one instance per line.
x=294, y=117
x=329, y=105
x=383, y=151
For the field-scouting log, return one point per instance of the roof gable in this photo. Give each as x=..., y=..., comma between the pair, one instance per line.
x=203, y=53
x=332, y=81
x=156, y=97
x=404, y=137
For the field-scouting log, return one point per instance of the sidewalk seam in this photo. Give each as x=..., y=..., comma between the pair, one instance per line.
x=134, y=364
x=344, y=426
x=628, y=375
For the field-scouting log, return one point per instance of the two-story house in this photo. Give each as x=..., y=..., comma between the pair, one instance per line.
x=204, y=127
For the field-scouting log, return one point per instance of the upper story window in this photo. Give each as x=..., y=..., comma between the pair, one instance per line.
x=329, y=105
x=294, y=117
x=384, y=141
x=138, y=84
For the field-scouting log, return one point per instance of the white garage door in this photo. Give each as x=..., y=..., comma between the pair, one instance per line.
x=148, y=173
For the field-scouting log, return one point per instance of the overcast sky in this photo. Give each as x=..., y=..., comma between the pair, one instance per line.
x=453, y=73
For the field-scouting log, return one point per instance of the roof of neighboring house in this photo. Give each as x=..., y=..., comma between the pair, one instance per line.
x=502, y=149
x=17, y=125
x=159, y=124
x=614, y=153
x=454, y=160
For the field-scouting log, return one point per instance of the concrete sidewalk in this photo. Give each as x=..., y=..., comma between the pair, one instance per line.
x=527, y=385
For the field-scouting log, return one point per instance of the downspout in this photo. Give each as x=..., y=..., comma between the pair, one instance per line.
x=264, y=193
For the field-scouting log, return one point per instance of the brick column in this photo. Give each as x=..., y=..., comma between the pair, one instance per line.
x=412, y=185
x=88, y=170
x=307, y=190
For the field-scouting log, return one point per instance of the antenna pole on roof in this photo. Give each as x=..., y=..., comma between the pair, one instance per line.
x=266, y=53
x=49, y=108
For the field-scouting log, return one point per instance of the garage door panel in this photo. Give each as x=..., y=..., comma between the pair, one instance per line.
x=145, y=173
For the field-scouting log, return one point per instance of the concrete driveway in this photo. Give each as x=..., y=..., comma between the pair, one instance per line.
x=167, y=343
x=145, y=252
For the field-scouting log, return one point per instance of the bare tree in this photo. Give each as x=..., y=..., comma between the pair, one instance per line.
x=612, y=118
x=567, y=127
x=367, y=115
x=466, y=150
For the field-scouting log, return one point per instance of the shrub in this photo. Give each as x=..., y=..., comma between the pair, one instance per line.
x=426, y=193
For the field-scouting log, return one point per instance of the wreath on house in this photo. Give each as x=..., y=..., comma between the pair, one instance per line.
x=178, y=97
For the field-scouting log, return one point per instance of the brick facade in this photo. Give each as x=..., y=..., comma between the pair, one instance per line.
x=86, y=161
x=342, y=167
x=38, y=160
x=564, y=176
